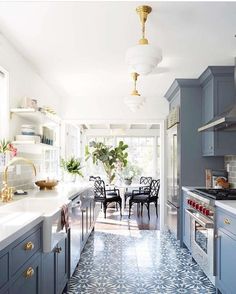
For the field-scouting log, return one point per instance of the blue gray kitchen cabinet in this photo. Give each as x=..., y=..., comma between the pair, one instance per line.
x=187, y=95
x=218, y=95
x=20, y=264
x=28, y=279
x=186, y=222
x=48, y=266
x=55, y=267
x=4, y=268
x=62, y=265
x=225, y=252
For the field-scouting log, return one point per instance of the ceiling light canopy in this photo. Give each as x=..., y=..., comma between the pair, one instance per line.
x=134, y=101
x=143, y=58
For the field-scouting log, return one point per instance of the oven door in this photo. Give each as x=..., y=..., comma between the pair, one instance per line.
x=202, y=241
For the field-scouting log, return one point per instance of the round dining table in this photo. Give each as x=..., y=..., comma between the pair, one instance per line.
x=124, y=188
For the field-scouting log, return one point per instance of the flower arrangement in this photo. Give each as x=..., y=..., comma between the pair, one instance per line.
x=6, y=146
x=131, y=171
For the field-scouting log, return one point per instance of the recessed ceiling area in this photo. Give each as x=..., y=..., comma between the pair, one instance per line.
x=79, y=49
x=140, y=126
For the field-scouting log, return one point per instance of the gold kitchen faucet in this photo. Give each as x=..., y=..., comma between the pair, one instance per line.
x=7, y=192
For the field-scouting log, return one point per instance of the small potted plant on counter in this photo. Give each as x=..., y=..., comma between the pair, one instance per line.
x=72, y=167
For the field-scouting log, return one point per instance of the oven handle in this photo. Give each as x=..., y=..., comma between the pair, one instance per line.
x=205, y=224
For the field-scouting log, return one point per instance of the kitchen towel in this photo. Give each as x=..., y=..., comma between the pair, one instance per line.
x=65, y=217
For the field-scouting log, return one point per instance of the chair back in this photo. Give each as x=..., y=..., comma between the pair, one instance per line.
x=94, y=178
x=99, y=189
x=154, y=188
x=145, y=181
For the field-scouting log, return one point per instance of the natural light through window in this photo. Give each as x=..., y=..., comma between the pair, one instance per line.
x=143, y=154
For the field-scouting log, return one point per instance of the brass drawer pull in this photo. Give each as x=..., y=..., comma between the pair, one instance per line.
x=29, y=246
x=29, y=272
x=226, y=221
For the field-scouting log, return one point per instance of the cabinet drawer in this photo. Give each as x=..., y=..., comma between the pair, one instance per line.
x=226, y=221
x=24, y=250
x=28, y=279
x=4, y=269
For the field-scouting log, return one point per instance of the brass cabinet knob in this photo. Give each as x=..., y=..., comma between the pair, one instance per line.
x=29, y=246
x=58, y=250
x=29, y=272
x=226, y=221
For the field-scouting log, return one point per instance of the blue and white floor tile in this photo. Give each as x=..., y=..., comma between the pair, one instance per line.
x=141, y=262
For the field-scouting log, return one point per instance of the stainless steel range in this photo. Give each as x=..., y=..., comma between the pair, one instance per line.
x=201, y=208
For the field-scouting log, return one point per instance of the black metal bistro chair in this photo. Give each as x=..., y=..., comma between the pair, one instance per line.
x=100, y=195
x=146, y=198
x=145, y=190
x=94, y=178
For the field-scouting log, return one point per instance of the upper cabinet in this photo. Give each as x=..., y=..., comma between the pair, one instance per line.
x=218, y=95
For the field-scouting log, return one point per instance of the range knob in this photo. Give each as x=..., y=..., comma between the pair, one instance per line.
x=188, y=201
x=193, y=204
x=200, y=208
x=197, y=206
x=207, y=212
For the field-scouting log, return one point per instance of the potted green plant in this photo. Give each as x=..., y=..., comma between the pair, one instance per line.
x=111, y=158
x=72, y=166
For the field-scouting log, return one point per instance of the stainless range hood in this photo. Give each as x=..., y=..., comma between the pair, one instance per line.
x=226, y=121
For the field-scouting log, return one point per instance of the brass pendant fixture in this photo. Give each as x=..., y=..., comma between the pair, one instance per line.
x=143, y=58
x=143, y=12
x=134, y=101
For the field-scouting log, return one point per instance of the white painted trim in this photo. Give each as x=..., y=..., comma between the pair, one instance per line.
x=163, y=173
x=5, y=113
x=118, y=132
x=115, y=121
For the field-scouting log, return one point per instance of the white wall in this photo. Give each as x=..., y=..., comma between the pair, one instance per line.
x=24, y=80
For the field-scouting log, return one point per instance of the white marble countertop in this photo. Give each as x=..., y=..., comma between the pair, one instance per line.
x=24, y=212
x=229, y=205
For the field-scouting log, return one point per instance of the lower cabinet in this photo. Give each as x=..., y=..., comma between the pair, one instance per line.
x=21, y=264
x=55, y=267
x=225, y=252
x=29, y=279
x=61, y=265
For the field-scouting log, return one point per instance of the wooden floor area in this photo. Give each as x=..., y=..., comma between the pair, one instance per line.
x=136, y=221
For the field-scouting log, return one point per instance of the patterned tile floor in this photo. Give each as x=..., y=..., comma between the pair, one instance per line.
x=133, y=262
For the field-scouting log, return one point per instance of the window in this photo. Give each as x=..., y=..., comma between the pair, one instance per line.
x=4, y=108
x=143, y=152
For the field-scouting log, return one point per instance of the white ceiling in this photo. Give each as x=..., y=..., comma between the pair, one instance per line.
x=79, y=47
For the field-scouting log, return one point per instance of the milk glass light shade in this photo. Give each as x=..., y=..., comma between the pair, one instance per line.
x=143, y=58
x=134, y=102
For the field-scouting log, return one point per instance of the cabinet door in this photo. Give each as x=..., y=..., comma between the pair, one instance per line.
x=62, y=262
x=29, y=279
x=208, y=114
x=48, y=266
x=226, y=262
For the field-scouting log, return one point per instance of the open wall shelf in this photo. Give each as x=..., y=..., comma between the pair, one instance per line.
x=37, y=117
